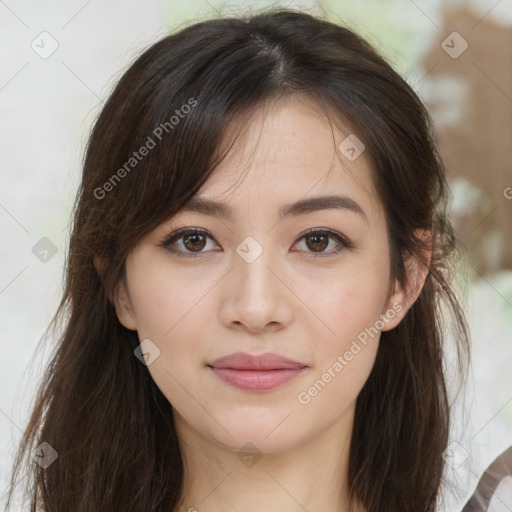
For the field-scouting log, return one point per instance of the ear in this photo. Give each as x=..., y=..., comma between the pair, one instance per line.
x=100, y=264
x=121, y=298
x=416, y=267
x=123, y=305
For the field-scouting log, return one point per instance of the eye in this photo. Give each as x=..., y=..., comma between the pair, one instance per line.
x=189, y=241
x=319, y=239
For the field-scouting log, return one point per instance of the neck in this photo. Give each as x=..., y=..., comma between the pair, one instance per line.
x=312, y=476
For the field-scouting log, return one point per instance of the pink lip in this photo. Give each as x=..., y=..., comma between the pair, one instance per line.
x=256, y=373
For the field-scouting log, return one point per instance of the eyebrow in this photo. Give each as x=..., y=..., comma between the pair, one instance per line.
x=205, y=206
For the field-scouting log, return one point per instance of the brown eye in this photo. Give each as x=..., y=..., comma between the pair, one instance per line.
x=188, y=242
x=318, y=242
x=195, y=242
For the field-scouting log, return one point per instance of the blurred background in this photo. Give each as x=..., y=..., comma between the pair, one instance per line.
x=59, y=61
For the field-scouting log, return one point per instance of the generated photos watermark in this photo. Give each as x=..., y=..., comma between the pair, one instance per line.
x=151, y=142
x=305, y=397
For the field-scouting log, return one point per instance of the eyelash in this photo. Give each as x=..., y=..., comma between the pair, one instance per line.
x=344, y=243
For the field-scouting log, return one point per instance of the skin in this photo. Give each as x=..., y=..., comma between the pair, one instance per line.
x=290, y=300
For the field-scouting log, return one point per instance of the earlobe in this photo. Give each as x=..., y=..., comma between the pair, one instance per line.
x=121, y=300
x=395, y=308
x=123, y=306
x=100, y=265
x=417, y=269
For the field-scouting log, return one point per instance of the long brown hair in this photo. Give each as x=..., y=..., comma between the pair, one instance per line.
x=97, y=406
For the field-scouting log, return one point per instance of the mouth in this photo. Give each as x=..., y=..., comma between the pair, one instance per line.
x=257, y=380
x=256, y=373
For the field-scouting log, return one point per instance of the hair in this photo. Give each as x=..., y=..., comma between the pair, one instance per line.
x=97, y=405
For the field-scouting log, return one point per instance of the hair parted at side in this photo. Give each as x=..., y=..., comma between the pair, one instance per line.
x=97, y=405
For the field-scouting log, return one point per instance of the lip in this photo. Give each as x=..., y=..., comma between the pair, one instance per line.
x=245, y=361
x=256, y=373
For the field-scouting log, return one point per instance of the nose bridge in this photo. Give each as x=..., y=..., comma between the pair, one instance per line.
x=255, y=297
x=251, y=266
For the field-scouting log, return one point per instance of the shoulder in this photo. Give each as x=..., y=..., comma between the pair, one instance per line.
x=493, y=492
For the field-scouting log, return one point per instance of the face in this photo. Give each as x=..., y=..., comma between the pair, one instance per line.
x=310, y=283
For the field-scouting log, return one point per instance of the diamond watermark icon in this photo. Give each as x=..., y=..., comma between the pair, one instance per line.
x=351, y=147
x=147, y=352
x=454, y=45
x=455, y=455
x=249, y=249
x=44, y=250
x=44, y=455
x=44, y=45
x=249, y=455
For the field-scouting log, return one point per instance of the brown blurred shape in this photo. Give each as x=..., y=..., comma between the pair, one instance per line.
x=472, y=106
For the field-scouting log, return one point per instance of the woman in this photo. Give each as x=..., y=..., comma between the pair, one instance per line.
x=259, y=255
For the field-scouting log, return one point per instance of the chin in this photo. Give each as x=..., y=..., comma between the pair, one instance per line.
x=271, y=434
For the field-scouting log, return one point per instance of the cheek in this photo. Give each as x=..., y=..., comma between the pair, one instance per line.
x=349, y=302
x=173, y=309
x=167, y=306
x=350, y=305
x=164, y=298
x=345, y=356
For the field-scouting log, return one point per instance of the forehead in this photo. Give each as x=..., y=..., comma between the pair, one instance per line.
x=289, y=150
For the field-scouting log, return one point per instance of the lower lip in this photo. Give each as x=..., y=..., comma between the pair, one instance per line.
x=257, y=380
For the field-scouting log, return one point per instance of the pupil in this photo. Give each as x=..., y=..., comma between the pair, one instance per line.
x=194, y=243
x=317, y=237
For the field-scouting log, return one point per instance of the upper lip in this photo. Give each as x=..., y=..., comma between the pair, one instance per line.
x=244, y=361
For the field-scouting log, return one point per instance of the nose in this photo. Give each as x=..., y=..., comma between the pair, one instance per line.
x=255, y=297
